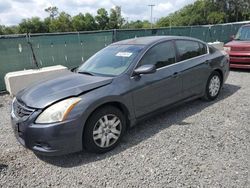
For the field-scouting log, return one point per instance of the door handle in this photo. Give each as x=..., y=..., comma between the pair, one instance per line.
x=207, y=62
x=175, y=75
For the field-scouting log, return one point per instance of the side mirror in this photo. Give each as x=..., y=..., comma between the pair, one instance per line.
x=145, y=69
x=74, y=69
x=232, y=37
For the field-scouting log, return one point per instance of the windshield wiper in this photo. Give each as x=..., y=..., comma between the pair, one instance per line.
x=85, y=72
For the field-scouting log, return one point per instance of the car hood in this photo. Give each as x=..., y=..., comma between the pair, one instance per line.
x=45, y=93
x=236, y=43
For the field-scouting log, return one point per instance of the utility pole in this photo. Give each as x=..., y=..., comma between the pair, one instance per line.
x=127, y=22
x=151, y=15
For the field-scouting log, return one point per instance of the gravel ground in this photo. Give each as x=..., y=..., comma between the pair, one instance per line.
x=198, y=144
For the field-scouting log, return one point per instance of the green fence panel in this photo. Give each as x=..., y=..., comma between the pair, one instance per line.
x=46, y=49
x=161, y=31
x=149, y=32
x=73, y=50
x=57, y=49
x=128, y=34
x=15, y=55
x=180, y=31
x=93, y=42
x=226, y=32
x=199, y=32
x=215, y=33
x=69, y=49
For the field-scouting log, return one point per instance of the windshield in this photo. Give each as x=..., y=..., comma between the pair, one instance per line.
x=243, y=33
x=111, y=61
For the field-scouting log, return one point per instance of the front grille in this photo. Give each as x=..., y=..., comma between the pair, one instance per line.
x=242, y=56
x=237, y=49
x=21, y=110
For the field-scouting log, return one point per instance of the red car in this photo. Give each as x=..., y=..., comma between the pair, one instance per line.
x=239, y=49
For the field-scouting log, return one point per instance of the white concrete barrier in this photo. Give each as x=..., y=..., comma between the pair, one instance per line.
x=217, y=44
x=16, y=81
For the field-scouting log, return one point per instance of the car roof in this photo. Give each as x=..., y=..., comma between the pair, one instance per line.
x=151, y=40
x=247, y=25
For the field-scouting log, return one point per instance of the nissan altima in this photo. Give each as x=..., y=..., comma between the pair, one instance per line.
x=114, y=89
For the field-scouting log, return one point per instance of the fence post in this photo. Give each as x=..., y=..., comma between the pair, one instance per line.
x=190, y=31
x=34, y=60
x=114, y=37
x=209, y=34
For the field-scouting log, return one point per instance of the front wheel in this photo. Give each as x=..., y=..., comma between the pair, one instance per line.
x=213, y=86
x=104, y=129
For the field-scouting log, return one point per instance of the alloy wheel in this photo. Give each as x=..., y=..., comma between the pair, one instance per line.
x=107, y=130
x=214, y=85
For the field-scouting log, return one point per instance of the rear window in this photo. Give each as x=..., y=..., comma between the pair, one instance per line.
x=203, y=48
x=211, y=49
x=188, y=49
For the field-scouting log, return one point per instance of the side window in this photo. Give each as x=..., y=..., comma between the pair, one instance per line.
x=161, y=55
x=188, y=49
x=203, y=48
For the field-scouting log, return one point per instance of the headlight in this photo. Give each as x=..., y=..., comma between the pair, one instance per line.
x=57, y=112
x=227, y=49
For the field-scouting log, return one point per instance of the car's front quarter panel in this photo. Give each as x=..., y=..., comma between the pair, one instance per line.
x=116, y=92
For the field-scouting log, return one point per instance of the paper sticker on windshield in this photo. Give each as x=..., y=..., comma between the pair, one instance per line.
x=124, y=54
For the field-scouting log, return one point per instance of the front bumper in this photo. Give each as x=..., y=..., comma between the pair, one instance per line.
x=48, y=139
x=239, y=60
x=239, y=65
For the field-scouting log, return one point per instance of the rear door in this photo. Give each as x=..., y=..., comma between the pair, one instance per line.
x=192, y=66
x=153, y=91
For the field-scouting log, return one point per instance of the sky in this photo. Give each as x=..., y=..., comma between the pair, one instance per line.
x=13, y=11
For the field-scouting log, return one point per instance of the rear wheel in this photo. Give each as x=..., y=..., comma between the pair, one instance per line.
x=104, y=129
x=213, y=86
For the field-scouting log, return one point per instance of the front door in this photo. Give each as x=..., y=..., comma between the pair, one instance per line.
x=156, y=90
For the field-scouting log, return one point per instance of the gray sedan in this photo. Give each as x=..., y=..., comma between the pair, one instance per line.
x=120, y=85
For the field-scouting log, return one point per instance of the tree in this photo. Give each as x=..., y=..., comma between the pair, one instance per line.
x=216, y=17
x=47, y=22
x=137, y=24
x=102, y=18
x=8, y=30
x=208, y=12
x=53, y=12
x=164, y=22
x=78, y=22
x=115, y=20
x=2, y=27
x=63, y=23
x=32, y=25
x=235, y=10
x=11, y=30
x=90, y=22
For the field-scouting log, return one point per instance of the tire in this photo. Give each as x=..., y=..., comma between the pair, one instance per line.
x=104, y=129
x=213, y=86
